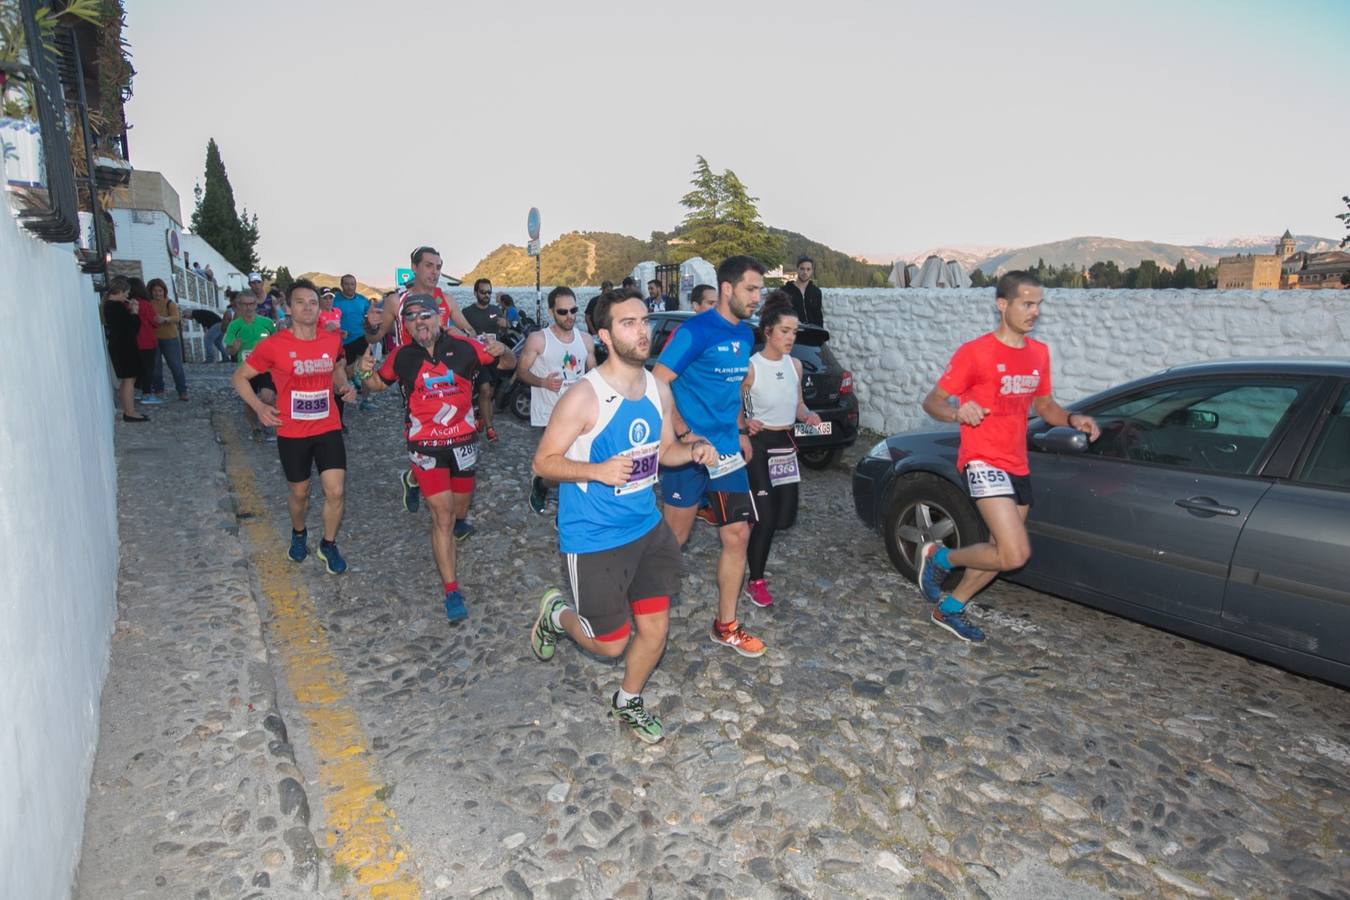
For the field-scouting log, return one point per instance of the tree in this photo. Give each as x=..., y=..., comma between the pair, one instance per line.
x=1183, y=276
x=722, y=220
x=1345, y=217
x=283, y=279
x=234, y=235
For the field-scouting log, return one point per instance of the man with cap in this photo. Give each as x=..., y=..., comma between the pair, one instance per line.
x=436, y=371
x=265, y=306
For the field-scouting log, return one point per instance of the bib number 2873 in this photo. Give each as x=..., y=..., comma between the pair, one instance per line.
x=985, y=480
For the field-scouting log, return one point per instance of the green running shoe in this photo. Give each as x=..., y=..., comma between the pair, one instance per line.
x=543, y=635
x=646, y=726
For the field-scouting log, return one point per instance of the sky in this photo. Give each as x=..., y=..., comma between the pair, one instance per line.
x=357, y=131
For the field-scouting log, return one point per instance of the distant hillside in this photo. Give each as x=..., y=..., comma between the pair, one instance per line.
x=590, y=257
x=324, y=280
x=1084, y=251
x=833, y=268
x=577, y=258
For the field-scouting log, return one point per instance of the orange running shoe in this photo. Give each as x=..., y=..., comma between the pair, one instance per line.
x=706, y=514
x=737, y=638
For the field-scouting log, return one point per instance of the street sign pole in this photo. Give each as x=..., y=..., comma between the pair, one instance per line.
x=532, y=226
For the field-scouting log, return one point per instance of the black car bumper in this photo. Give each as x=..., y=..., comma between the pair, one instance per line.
x=869, y=483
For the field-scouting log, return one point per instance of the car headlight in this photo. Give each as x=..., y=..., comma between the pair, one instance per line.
x=880, y=450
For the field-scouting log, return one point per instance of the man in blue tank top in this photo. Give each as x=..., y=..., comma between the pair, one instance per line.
x=604, y=442
x=704, y=364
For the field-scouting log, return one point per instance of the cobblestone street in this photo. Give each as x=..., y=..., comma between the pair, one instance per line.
x=867, y=754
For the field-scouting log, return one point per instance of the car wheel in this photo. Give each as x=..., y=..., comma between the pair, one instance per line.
x=520, y=404
x=927, y=508
x=819, y=458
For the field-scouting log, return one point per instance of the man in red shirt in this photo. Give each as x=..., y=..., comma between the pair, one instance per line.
x=305, y=365
x=997, y=378
x=426, y=264
x=436, y=373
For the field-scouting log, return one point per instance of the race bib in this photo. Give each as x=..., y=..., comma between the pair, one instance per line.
x=783, y=468
x=984, y=480
x=465, y=455
x=801, y=429
x=645, y=467
x=726, y=464
x=309, y=405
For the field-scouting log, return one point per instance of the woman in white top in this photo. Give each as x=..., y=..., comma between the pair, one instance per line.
x=772, y=392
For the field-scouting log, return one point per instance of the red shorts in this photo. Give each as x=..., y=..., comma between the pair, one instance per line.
x=439, y=470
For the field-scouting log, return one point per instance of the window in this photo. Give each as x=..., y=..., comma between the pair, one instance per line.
x=1329, y=462
x=1212, y=425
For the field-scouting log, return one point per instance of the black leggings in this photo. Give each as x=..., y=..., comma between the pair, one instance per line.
x=775, y=506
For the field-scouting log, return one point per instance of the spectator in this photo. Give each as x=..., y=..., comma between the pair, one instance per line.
x=266, y=301
x=169, y=340
x=197, y=268
x=214, y=327
x=121, y=321
x=145, y=339
x=804, y=294
x=210, y=276
x=509, y=310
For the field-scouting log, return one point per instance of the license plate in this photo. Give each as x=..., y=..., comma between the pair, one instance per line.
x=801, y=429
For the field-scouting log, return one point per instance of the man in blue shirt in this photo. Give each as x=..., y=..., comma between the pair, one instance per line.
x=704, y=363
x=353, y=307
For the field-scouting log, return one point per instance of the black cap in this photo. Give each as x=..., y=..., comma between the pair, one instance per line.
x=418, y=301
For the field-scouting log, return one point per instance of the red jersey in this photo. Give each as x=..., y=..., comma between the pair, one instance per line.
x=1004, y=380
x=303, y=374
x=438, y=389
x=330, y=315
x=401, y=337
x=145, y=334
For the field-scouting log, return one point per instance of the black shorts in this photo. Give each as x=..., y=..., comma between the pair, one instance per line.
x=1018, y=487
x=488, y=375
x=634, y=579
x=261, y=381
x=355, y=349
x=300, y=455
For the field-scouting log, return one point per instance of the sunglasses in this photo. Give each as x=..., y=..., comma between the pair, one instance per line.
x=565, y=312
x=418, y=316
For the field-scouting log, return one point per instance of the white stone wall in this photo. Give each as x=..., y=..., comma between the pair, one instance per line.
x=897, y=342
x=58, y=556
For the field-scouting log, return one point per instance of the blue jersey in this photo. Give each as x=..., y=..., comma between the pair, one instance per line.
x=353, y=315
x=593, y=516
x=710, y=356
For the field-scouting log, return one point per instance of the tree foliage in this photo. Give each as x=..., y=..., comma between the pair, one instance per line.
x=1345, y=218
x=722, y=220
x=233, y=234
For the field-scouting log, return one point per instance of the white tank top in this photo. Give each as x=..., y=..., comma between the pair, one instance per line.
x=773, y=396
x=568, y=359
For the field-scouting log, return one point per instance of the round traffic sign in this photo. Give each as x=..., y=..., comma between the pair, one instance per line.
x=532, y=224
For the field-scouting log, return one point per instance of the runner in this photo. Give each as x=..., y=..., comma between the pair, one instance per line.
x=551, y=361
x=305, y=365
x=426, y=264
x=245, y=331
x=705, y=364
x=996, y=378
x=486, y=319
x=436, y=374
x=622, y=562
x=773, y=405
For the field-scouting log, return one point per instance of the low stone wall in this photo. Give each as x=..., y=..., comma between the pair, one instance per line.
x=897, y=342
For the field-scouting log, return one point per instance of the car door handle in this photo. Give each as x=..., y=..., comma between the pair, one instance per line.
x=1207, y=506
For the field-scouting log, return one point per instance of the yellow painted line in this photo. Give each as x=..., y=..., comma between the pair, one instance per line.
x=363, y=834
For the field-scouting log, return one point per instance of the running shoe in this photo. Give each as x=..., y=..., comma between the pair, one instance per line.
x=182, y=398
x=269, y=437
x=463, y=530
x=931, y=575
x=738, y=639
x=152, y=400
x=412, y=495
x=257, y=435
x=299, y=548
x=706, y=514
x=454, y=607
x=646, y=726
x=957, y=624
x=491, y=434
x=538, y=495
x=544, y=634
x=758, y=592
x=332, y=559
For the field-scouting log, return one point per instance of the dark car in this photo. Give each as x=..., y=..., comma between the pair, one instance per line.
x=827, y=387
x=1216, y=504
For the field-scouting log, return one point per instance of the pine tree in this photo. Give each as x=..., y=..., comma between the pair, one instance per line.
x=283, y=279
x=745, y=230
x=722, y=220
x=235, y=236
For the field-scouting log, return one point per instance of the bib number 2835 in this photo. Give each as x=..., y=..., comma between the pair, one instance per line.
x=309, y=405
x=985, y=480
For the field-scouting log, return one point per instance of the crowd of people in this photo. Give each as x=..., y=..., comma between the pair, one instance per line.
x=710, y=426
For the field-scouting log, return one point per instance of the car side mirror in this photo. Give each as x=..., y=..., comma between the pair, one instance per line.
x=1061, y=440
x=1202, y=419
